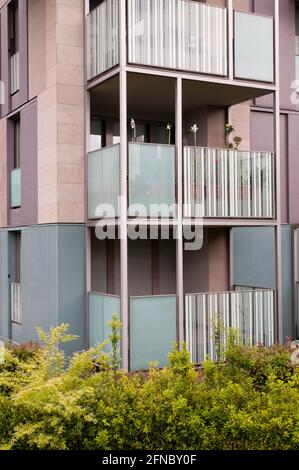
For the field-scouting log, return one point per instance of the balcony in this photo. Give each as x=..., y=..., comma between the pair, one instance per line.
x=183, y=35
x=103, y=181
x=153, y=324
x=229, y=183
x=252, y=312
x=14, y=73
x=151, y=179
x=102, y=38
x=15, y=188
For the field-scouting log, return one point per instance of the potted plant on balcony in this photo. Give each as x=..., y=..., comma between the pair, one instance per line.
x=234, y=145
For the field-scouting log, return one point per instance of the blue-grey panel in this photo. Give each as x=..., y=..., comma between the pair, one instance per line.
x=71, y=281
x=286, y=253
x=152, y=330
x=4, y=285
x=52, y=280
x=254, y=257
x=17, y=333
x=39, y=280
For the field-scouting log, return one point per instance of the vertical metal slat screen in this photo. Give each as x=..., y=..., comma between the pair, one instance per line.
x=251, y=312
x=178, y=34
x=102, y=38
x=229, y=183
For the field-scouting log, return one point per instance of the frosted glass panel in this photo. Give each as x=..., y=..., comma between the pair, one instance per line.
x=103, y=179
x=152, y=330
x=15, y=183
x=151, y=177
x=101, y=309
x=254, y=47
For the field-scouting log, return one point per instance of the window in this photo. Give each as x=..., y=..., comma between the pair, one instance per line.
x=16, y=143
x=14, y=46
x=116, y=133
x=14, y=27
x=15, y=164
x=97, y=134
x=16, y=311
x=140, y=133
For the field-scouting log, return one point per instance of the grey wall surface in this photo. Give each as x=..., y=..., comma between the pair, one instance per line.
x=254, y=257
x=52, y=278
x=286, y=246
x=71, y=281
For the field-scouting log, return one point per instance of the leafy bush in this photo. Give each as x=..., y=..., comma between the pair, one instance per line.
x=247, y=401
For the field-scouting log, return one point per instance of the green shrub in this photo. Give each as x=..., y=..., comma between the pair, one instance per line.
x=247, y=401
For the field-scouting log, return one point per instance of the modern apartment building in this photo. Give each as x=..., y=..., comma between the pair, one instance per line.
x=124, y=191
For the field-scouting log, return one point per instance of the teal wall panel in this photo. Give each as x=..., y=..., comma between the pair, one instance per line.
x=286, y=254
x=52, y=279
x=254, y=257
x=152, y=330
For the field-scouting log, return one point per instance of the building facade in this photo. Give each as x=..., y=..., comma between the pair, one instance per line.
x=148, y=168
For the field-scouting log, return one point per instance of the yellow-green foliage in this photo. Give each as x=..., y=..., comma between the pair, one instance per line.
x=250, y=401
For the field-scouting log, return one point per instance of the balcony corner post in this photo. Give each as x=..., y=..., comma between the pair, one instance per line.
x=179, y=241
x=230, y=36
x=124, y=303
x=278, y=184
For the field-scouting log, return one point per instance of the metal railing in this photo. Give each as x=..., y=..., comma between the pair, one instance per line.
x=251, y=312
x=16, y=303
x=229, y=183
x=178, y=34
x=102, y=38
